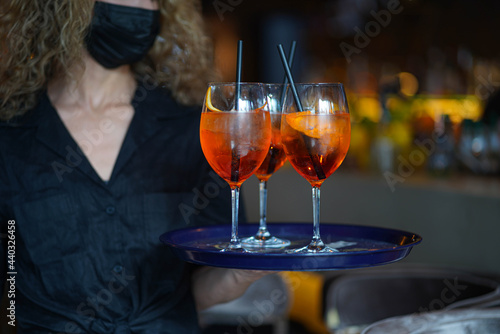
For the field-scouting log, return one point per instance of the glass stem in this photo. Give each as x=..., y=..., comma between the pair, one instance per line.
x=235, y=203
x=316, y=210
x=263, y=204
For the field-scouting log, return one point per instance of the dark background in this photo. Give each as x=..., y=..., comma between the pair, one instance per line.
x=424, y=32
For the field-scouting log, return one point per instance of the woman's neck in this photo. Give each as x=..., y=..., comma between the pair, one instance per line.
x=94, y=89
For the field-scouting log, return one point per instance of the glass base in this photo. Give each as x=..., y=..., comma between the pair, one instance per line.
x=315, y=247
x=264, y=242
x=234, y=250
x=234, y=246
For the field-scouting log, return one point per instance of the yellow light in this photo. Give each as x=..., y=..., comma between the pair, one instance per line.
x=457, y=107
x=409, y=83
x=369, y=107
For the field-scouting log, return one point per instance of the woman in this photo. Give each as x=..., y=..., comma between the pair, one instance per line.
x=99, y=155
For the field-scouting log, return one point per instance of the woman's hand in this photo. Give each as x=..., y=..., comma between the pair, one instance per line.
x=213, y=286
x=249, y=276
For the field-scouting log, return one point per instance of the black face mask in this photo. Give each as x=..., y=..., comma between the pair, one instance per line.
x=121, y=35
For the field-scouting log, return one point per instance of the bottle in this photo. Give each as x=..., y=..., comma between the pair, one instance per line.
x=442, y=160
x=383, y=149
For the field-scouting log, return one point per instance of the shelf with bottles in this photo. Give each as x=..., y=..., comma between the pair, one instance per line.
x=438, y=134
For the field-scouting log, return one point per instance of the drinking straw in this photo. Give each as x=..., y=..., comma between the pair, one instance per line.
x=290, y=78
x=238, y=74
x=272, y=160
x=291, y=55
x=314, y=159
x=235, y=157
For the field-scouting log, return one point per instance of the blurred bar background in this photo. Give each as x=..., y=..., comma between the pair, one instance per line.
x=422, y=80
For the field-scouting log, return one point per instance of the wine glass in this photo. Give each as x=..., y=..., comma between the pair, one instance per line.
x=316, y=140
x=235, y=133
x=274, y=160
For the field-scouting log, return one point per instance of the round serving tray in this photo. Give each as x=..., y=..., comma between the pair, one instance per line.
x=358, y=246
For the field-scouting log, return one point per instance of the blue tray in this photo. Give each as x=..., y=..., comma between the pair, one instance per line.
x=359, y=246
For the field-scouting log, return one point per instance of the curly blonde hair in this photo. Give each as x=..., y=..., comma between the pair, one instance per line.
x=40, y=39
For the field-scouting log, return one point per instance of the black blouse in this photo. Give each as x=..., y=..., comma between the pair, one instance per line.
x=87, y=253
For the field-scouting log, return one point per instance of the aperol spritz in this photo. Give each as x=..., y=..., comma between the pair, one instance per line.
x=235, y=133
x=274, y=160
x=316, y=141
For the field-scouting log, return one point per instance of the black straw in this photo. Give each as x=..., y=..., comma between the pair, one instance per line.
x=314, y=158
x=235, y=157
x=238, y=75
x=291, y=55
x=290, y=78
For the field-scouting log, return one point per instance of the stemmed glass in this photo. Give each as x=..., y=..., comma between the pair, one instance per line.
x=235, y=133
x=274, y=160
x=316, y=138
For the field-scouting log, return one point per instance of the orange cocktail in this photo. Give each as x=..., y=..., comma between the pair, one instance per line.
x=316, y=131
x=230, y=143
x=316, y=144
x=276, y=156
x=235, y=133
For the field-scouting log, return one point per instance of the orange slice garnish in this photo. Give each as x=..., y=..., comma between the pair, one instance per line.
x=261, y=108
x=210, y=106
x=208, y=101
x=310, y=124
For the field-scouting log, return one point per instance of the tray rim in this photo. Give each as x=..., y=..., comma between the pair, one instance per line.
x=417, y=239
